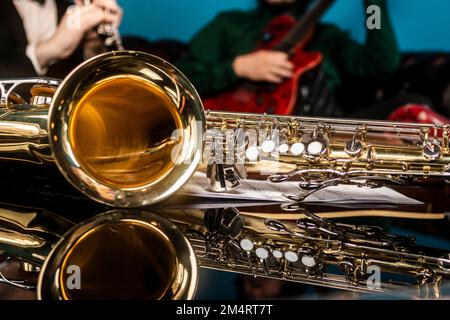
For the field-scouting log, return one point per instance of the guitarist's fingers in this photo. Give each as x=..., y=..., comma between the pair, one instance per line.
x=282, y=59
x=283, y=72
x=274, y=78
x=279, y=55
x=286, y=65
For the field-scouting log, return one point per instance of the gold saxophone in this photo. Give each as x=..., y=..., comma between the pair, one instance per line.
x=155, y=254
x=128, y=130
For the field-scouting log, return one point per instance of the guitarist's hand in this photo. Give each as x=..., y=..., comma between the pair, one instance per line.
x=264, y=65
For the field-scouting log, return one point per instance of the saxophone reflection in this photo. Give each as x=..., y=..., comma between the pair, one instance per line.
x=307, y=248
x=64, y=260
x=324, y=249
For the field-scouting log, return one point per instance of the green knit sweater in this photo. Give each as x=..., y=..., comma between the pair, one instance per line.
x=208, y=62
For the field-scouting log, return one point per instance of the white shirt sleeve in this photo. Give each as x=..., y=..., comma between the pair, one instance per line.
x=31, y=54
x=40, y=22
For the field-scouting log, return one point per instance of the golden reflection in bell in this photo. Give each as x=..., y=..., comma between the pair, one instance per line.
x=122, y=260
x=121, y=132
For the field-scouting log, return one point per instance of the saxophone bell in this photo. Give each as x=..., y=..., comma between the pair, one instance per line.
x=124, y=128
x=115, y=255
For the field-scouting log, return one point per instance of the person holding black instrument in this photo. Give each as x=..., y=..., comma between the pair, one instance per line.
x=51, y=37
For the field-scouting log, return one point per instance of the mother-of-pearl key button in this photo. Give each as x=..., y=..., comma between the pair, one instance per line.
x=268, y=146
x=432, y=151
x=291, y=256
x=315, y=148
x=284, y=148
x=247, y=244
x=262, y=253
x=277, y=254
x=252, y=153
x=297, y=149
x=309, y=261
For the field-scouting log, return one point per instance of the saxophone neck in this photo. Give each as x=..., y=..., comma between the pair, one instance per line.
x=29, y=234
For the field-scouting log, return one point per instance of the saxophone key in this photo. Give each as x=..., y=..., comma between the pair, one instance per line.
x=247, y=245
x=283, y=148
x=297, y=149
x=263, y=255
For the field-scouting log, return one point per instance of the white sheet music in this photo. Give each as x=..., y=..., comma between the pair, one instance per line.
x=259, y=190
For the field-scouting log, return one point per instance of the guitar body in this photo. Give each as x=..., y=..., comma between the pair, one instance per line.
x=269, y=98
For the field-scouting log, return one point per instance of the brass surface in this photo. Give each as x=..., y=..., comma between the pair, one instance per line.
x=125, y=260
x=121, y=132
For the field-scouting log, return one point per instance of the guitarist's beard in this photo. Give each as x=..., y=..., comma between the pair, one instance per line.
x=280, y=8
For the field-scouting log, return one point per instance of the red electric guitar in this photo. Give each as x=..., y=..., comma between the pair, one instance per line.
x=285, y=34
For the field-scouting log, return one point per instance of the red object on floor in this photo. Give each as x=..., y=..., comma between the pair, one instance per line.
x=418, y=113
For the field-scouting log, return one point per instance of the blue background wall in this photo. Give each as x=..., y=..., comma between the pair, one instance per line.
x=420, y=24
